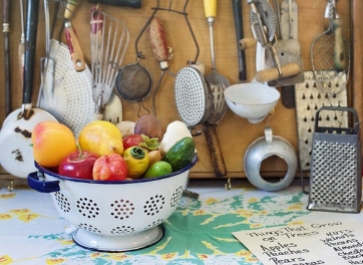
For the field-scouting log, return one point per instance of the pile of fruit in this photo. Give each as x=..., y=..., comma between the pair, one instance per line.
x=104, y=151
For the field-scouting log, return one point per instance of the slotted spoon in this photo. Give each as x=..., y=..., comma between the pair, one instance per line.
x=216, y=81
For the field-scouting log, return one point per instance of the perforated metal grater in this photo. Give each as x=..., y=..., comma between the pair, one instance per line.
x=309, y=98
x=335, y=175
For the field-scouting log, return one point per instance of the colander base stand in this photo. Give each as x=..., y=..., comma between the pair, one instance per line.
x=117, y=243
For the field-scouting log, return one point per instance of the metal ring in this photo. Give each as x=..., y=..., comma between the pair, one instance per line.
x=258, y=151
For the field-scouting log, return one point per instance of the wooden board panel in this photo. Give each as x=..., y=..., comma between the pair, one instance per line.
x=235, y=133
x=357, y=62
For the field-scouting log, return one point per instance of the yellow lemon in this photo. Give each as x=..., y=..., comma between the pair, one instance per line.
x=52, y=141
x=102, y=138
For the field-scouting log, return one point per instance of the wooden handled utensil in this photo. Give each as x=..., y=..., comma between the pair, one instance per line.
x=6, y=31
x=330, y=56
x=71, y=36
x=357, y=60
x=217, y=84
x=16, y=154
x=156, y=34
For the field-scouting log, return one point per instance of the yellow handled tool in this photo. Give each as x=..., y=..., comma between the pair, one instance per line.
x=210, y=8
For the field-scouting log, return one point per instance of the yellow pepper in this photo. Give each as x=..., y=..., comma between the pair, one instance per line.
x=137, y=160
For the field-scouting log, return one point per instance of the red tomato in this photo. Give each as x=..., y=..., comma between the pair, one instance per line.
x=132, y=140
x=110, y=167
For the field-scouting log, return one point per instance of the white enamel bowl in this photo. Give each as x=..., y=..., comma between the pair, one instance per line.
x=252, y=101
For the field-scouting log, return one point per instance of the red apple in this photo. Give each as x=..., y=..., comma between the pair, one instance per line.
x=78, y=164
x=110, y=167
x=132, y=140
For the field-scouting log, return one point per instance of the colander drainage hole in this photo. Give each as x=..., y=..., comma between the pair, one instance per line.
x=62, y=202
x=176, y=196
x=122, y=209
x=87, y=208
x=155, y=223
x=154, y=205
x=89, y=228
x=123, y=230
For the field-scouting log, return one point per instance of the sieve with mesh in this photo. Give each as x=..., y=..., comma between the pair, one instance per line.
x=134, y=81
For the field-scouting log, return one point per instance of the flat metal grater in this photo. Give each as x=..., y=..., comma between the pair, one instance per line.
x=335, y=175
x=309, y=98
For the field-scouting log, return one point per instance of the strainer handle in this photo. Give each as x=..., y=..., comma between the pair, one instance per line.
x=41, y=185
x=331, y=108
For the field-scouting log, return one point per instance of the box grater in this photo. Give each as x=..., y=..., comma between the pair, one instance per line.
x=335, y=174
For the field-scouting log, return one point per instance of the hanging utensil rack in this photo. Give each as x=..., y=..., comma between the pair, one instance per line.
x=235, y=134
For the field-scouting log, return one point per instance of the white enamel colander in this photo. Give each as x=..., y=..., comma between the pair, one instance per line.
x=115, y=215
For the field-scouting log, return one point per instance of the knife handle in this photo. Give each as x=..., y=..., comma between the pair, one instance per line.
x=157, y=39
x=340, y=60
x=74, y=47
x=238, y=22
x=288, y=96
x=30, y=49
x=215, y=150
x=127, y=3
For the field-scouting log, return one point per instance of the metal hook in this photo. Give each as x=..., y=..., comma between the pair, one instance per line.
x=11, y=186
x=141, y=105
x=191, y=31
x=228, y=184
x=170, y=3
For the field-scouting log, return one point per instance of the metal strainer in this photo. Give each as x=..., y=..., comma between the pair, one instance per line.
x=133, y=82
x=192, y=96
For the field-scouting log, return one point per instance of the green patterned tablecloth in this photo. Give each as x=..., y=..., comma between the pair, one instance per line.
x=199, y=232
